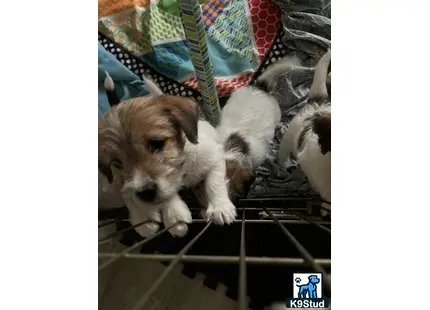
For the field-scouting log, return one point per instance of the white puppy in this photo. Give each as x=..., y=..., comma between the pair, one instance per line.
x=308, y=136
x=246, y=128
x=160, y=147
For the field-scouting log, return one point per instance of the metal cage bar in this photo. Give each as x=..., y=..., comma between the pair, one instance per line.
x=243, y=300
x=122, y=231
x=314, y=223
x=106, y=223
x=289, y=221
x=305, y=254
x=242, y=260
x=142, y=301
x=218, y=259
x=134, y=246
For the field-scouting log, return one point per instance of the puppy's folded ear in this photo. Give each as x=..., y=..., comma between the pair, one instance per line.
x=322, y=127
x=184, y=113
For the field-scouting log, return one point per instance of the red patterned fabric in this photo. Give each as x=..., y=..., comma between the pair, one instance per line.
x=225, y=86
x=266, y=20
x=212, y=9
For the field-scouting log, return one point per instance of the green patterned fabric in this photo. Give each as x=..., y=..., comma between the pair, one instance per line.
x=231, y=30
x=136, y=36
x=232, y=34
x=131, y=34
x=165, y=26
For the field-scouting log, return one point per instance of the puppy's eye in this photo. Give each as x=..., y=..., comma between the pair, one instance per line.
x=156, y=145
x=116, y=163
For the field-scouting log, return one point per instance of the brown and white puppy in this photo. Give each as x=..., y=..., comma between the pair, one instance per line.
x=240, y=172
x=308, y=136
x=246, y=128
x=153, y=142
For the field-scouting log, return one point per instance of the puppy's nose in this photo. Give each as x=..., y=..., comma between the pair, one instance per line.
x=148, y=192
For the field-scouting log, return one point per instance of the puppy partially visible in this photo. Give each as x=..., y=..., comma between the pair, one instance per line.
x=273, y=71
x=308, y=136
x=246, y=128
x=153, y=141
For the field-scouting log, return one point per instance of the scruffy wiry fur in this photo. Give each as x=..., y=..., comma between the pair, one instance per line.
x=155, y=145
x=246, y=128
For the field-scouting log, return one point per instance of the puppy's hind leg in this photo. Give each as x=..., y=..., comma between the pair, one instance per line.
x=285, y=148
x=220, y=208
x=176, y=210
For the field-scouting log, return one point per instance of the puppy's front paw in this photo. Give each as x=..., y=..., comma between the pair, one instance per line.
x=221, y=213
x=147, y=229
x=180, y=230
x=177, y=213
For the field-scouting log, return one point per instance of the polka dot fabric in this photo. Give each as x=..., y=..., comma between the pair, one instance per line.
x=276, y=52
x=188, y=89
x=212, y=9
x=168, y=86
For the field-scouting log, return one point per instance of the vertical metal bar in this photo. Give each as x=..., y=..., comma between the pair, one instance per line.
x=305, y=254
x=243, y=299
x=194, y=27
x=141, y=302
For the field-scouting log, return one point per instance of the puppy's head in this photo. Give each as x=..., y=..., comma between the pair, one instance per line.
x=144, y=138
x=322, y=127
x=240, y=180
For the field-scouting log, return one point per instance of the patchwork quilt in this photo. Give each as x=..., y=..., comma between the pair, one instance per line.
x=239, y=34
x=304, y=31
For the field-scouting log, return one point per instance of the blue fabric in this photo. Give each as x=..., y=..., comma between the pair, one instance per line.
x=127, y=84
x=226, y=64
x=173, y=59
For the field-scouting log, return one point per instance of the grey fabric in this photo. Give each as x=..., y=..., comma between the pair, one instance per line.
x=306, y=27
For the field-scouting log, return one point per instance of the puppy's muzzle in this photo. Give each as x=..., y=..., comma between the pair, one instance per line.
x=147, y=193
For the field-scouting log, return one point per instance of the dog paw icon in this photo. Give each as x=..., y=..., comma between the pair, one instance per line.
x=298, y=280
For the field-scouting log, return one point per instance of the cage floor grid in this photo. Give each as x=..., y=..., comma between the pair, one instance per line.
x=253, y=256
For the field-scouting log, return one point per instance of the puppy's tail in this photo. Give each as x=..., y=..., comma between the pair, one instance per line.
x=318, y=91
x=152, y=87
x=110, y=90
x=272, y=72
